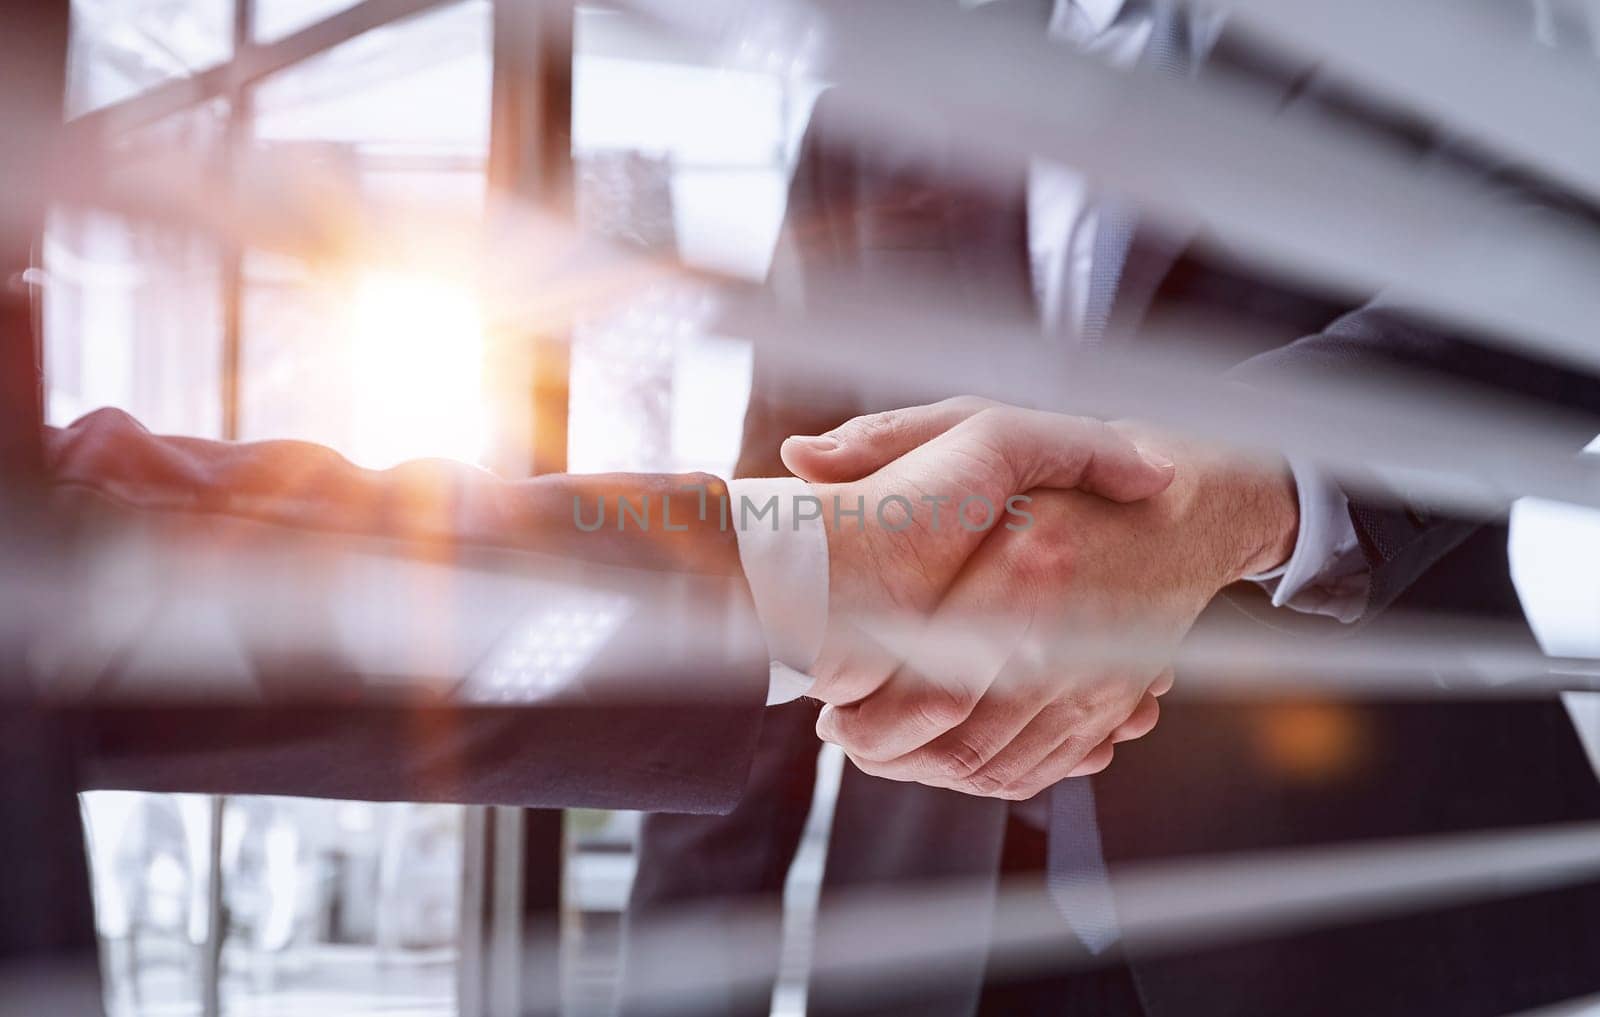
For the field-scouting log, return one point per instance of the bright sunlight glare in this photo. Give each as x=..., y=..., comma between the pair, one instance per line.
x=418, y=349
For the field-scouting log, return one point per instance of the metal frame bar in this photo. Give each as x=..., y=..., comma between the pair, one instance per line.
x=216, y=913
x=50, y=959
x=511, y=903
x=33, y=69
x=530, y=162
x=250, y=64
x=240, y=131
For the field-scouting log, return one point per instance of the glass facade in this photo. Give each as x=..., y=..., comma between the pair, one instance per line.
x=281, y=905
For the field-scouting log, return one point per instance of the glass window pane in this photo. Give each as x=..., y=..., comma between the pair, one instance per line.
x=332, y=907
x=275, y=19
x=121, y=48
x=417, y=87
x=133, y=309
x=384, y=363
x=669, y=133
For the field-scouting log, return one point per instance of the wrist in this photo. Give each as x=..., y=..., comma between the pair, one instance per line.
x=1264, y=500
x=1240, y=514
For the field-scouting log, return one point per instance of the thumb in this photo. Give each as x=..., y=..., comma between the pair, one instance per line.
x=1061, y=451
x=1026, y=449
x=862, y=445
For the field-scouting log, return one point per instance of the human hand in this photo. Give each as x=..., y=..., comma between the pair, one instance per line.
x=924, y=488
x=1005, y=690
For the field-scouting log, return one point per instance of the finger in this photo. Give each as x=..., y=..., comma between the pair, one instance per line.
x=1097, y=759
x=909, y=711
x=1033, y=449
x=935, y=691
x=863, y=445
x=1064, y=740
x=1067, y=760
x=998, y=453
x=956, y=757
x=1163, y=683
x=1062, y=451
x=1141, y=722
x=853, y=665
x=1059, y=729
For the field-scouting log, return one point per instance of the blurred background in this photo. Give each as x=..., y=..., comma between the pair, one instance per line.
x=259, y=906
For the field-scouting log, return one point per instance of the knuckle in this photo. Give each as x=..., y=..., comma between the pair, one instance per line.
x=986, y=417
x=1030, y=571
x=1070, y=717
x=1054, y=558
x=876, y=427
x=1098, y=703
x=993, y=424
x=1045, y=564
x=968, y=405
x=998, y=777
x=985, y=785
x=960, y=760
x=1076, y=747
x=941, y=707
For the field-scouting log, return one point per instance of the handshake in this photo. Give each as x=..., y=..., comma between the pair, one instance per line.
x=1005, y=609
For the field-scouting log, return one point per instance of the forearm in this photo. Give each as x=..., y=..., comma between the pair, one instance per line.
x=645, y=521
x=688, y=757
x=290, y=553
x=406, y=634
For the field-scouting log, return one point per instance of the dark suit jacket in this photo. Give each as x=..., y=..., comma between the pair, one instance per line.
x=1214, y=777
x=663, y=715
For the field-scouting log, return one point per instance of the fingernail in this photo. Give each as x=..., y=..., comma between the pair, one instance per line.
x=1155, y=459
x=816, y=443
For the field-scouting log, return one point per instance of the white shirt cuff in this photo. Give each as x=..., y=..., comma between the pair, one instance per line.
x=1555, y=561
x=1327, y=573
x=784, y=552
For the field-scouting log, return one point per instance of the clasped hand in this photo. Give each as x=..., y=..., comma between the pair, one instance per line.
x=995, y=652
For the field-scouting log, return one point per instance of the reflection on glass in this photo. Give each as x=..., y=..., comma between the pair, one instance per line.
x=418, y=349
x=131, y=320
x=133, y=310
x=120, y=48
x=417, y=87
x=329, y=907
x=351, y=907
x=383, y=364
x=685, y=153
x=277, y=18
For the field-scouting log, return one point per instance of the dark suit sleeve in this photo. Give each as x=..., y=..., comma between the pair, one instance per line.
x=1400, y=536
x=662, y=715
